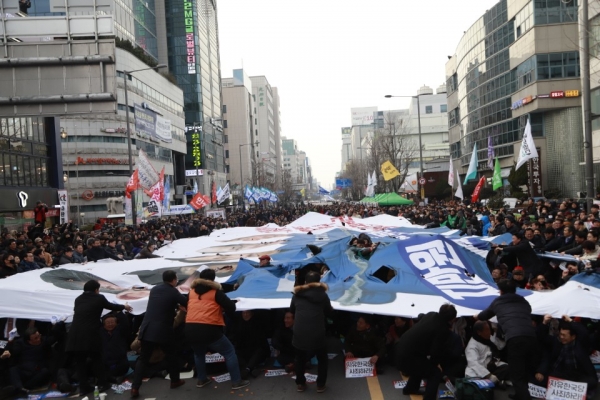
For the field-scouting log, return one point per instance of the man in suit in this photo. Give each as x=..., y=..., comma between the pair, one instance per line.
x=84, y=339
x=157, y=330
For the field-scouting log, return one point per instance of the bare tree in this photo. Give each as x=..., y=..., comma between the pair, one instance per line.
x=287, y=187
x=394, y=143
x=356, y=171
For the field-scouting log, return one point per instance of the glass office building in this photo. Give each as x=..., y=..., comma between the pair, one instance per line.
x=499, y=78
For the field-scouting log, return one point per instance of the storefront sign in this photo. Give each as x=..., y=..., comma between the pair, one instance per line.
x=522, y=102
x=557, y=94
x=63, y=201
x=190, y=39
x=194, y=172
x=113, y=130
x=195, y=141
x=101, y=161
x=101, y=194
x=571, y=93
x=21, y=199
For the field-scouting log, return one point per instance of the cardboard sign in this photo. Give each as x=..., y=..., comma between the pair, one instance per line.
x=402, y=384
x=537, y=392
x=275, y=372
x=222, y=378
x=359, y=368
x=399, y=384
x=562, y=389
x=310, y=378
x=214, y=358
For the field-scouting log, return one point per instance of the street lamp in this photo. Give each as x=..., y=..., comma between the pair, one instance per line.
x=388, y=96
x=130, y=158
x=241, y=177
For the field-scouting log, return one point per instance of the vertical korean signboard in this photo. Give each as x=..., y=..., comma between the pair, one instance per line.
x=190, y=37
x=534, y=173
x=194, y=137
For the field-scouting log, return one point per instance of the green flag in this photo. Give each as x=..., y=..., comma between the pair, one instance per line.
x=497, y=178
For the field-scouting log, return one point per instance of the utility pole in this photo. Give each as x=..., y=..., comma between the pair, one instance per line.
x=586, y=104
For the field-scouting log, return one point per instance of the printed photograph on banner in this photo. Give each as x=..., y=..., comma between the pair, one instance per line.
x=222, y=378
x=275, y=372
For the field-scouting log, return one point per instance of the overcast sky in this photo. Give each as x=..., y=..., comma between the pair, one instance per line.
x=327, y=56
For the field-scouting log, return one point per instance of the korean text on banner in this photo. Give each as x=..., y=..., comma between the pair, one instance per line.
x=147, y=175
x=359, y=368
x=63, y=201
x=388, y=170
x=562, y=389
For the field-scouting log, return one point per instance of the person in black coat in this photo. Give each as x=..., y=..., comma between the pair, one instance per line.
x=97, y=252
x=84, y=339
x=568, y=357
x=115, y=333
x=157, y=330
x=520, y=253
x=421, y=348
x=514, y=317
x=282, y=342
x=310, y=305
x=250, y=342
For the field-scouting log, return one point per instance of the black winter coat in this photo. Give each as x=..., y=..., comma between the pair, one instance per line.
x=310, y=305
x=426, y=338
x=514, y=315
x=84, y=334
x=525, y=257
x=157, y=326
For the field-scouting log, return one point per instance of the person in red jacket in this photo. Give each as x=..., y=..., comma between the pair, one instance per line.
x=204, y=325
x=40, y=213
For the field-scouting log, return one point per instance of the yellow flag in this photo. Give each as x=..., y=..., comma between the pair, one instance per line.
x=303, y=192
x=389, y=171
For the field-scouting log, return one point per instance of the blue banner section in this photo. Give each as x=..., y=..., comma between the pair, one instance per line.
x=343, y=183
x=433, y=265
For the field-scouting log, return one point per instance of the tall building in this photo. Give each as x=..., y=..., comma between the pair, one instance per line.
x=346, y=147
x=519, y=62
x=239, y=129
x=252, y=119
x=266, y=154
x=78, y=72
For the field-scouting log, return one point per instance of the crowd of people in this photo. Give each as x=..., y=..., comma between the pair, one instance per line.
x=177, y=331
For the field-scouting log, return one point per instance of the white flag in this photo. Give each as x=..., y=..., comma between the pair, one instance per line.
x=374, y=179
x=147, y=175
x=528, y=150
x=451, y=174
x=459, y=192
x=224, y=194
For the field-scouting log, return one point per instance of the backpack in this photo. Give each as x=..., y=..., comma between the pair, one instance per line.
x=474, y=389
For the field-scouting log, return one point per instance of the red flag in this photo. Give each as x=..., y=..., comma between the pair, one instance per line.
x=477, y=191
x=157, y=191
x=133, y=184
x=200, y=200
x=214, y=192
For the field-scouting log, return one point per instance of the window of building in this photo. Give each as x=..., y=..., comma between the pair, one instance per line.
x=595, y=108
x=224, y=123
x=555, y=11
x=226, y=153
x=558, y=65
x=256, y=132
x=443, y=108
x=225, y=138
x=428, y=109
x=595, y=36
x=224, y=108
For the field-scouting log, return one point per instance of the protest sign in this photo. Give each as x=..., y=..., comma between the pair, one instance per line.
x=359, y=368
x=222, y=378
x=537, y=392
x=214, y=358
x=310, y=378
x=275, y=372
x=562, y=389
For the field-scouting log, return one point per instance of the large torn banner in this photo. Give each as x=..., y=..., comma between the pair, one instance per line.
x=412, y=271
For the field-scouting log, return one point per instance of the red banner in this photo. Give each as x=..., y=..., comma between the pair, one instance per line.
x=477, y=191
x=214, y=192
x=133, y=184
x=200, y=200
